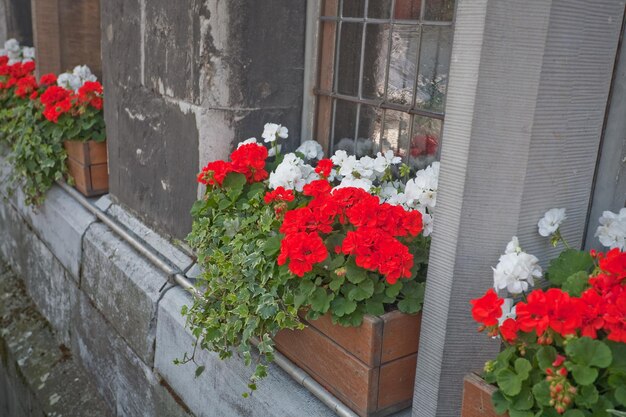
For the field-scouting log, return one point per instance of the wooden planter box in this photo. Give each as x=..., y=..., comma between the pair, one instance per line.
x=87, y=164
x=370, y=368
x=477, y=398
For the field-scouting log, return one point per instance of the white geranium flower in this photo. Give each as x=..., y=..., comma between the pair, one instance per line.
x=84, y=73
x=513, y=246
x=28, y=53
x=273, y=131
x=516, y=271
x=390, y=157
x=348, y=166
x=292, y=173
x=274, y=149
x=12, y=45
x=339, y=158
x=362, y=183
x=551, y=221
x=311, y=150
x=428, y=199
x=307, y=175
x=69, y=81
x=508, y=310
x=365, y=167
x=427, y=222
x=612, y=229
x=246, y=142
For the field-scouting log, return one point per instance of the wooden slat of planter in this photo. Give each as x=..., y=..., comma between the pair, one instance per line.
x=346, y=377
x=98, y=152
x=397, y=341
x=477, y=398
x=100, y=178
x=364, y=342
x=396, y=383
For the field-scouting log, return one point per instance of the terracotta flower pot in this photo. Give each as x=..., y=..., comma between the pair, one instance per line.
x=87, y=164
x=477, y=398
x=370, y=368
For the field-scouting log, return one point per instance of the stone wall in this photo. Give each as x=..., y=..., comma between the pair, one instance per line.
x=121, y=318
x=186, y=80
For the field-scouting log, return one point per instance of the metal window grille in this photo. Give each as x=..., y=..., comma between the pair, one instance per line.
x=383, y=70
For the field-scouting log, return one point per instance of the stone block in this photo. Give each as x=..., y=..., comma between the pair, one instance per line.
x=122, y=378
x=60, y=222
x=155, y=164
x=123, y=286
x=170, y=252
x=47, y=281
x=217, y=392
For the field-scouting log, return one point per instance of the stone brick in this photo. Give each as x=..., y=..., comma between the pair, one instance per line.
x=47, y=282
x=170, y=252
x=122, y=378
x=155, y=162
x=123, y=286
x=217, y=392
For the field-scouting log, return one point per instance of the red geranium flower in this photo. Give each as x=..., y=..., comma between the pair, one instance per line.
x=508, y=330
x=249, y=160
x=214, y=173
x=48, y=79
x=324, y=167
x=303, y=250
x=317, y=188
x=279, y=194
x=26, y=86
x=487, y=309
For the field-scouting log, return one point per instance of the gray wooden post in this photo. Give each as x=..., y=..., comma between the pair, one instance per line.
x=528, y=88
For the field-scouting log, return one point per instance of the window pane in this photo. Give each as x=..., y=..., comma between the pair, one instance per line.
x=434, y=66
x=379, y=9
x=345, y=125
x=402, y=68
x=375, y=64
x=396, y=132
x=439, y=10
x=349, y=58
x=408, y=9
x=353, y=8
x=424, y=148
x=370, y=126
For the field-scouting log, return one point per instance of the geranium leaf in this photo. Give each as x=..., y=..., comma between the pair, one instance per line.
x=320, y=300
x=362, y=291
x=509, y=382
x=583, y=375
x=574, y=413
x=620, y=395
x=354, y=273
x=341, y=306
x=576, y=283
x=589, y=352
x=523, y=367
x=587, y=396
x=234, y=181
x=569, y=262
x=500, y=403
x=524, y=400
x=541, y=391
x=546, y=356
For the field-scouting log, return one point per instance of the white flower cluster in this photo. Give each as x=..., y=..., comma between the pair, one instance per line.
x=292, y=173
x=516, y=269
x=16, y=53
x=362, y=172
x=311, y=149
x=612, y=229
x=75, y=79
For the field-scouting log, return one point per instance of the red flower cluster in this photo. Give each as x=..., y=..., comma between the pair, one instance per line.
x=26, y=86
x=599, y=311
x=324, y=167
x=248, y=160
x=372, y=236
x=57, y=101
x=303, y=250
x=91, y=94
x=10, y=75
x=280, y=194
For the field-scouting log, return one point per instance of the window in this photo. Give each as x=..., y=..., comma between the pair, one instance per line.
x=383, y=71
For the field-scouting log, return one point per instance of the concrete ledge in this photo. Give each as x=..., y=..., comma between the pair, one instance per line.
x=38, y=377
x=123, y=286
x=217, y=392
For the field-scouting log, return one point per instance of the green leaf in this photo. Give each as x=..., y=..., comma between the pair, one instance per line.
x=520, y=413
x=362, y=291
x=320, y=301
x=569, y=262
x=374, y=307
x=354, y=273
x=500, y=403
x=574, y=413
x=618, y=351
x=392, y=291
x=576, y=283
x=541, y=391
x=524, y=400
x=588, y=352
x=336, y=282
x=199, y=371
x=583, y=375
x=523, y=368
x=341, y=306
x=546, y=355
x=587, y=396
x=620, y=395
x=509, y=382
x=234, y=181
x=272, y=245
